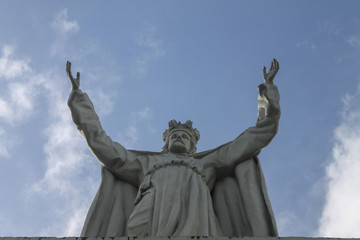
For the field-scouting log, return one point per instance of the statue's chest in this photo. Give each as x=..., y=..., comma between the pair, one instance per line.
x=176, y=158
x=172, y=160
x=173, y=166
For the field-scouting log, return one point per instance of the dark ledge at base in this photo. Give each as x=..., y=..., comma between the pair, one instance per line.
x=172, y=238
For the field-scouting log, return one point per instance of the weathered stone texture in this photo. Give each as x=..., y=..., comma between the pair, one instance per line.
x=174, y=238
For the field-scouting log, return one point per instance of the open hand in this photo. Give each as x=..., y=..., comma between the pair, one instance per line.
x=75, y=82
x=274, y=68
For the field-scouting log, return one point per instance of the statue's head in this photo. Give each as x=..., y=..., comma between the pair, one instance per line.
x=180, y=138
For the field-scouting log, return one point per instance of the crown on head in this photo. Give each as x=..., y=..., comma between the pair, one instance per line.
x=177, y=126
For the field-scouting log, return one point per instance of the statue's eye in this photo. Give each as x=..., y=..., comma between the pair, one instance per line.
x=174, y=136
x=185, y=136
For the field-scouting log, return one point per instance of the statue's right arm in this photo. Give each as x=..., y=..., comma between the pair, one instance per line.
x=111, y=154
x=249, y=144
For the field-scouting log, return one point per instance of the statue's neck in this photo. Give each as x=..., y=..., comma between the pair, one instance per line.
x=180, y=154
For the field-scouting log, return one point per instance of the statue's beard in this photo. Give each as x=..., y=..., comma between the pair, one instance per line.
x=177, y=148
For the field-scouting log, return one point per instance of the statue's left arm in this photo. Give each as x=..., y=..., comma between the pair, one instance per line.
x=251, y=141
x=110, y=154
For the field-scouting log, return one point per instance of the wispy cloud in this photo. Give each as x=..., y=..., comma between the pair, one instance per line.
x=62, y=147
x=354, y=41
x=18, y=94
x=340, y=216
x=153, y=46
x=306, y=44
x=139, y=120
x=11, y=67
x=288, y=223
x=4, y=144
x=71, y=171
x=63, y=27
x=129, y=137
x=333, y=26
x=67, y=160
x=17, y=103
x=144, y=114
x=102, y=101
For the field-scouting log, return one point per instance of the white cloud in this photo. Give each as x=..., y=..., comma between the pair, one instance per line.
x=69, y=225
x=139, y=120
x=332, y=26
x=67, y=162
x=4, y=152
x=306, y=44
x=146, y=113
x=5, y=110
x=154, y=50
x=354, y=42
x=61, y=23
x=18, y=93
x=65, y=150
x=9, y=67
x=130, y=137
x=17, y=102
x=340, y=216
x=287, y=223
x=71, y=171
x=102, y=101
x=77, y=220
x=7, y=143
x=64, y=28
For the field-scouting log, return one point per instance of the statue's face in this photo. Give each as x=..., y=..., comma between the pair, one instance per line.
x=179, y=142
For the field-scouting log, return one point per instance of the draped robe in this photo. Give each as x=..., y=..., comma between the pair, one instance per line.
x=220, y=192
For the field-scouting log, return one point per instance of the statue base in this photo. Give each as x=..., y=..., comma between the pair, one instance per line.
x=171, y=238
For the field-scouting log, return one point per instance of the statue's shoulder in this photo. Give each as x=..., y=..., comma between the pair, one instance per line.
x=207, y=152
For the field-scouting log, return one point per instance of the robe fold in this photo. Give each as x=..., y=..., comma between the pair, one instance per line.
x=220, y=192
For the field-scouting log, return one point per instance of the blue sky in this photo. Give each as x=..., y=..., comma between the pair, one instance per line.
x=144, y=63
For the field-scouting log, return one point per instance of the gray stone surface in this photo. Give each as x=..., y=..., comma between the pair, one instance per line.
x=178, y=192
x=172, y=238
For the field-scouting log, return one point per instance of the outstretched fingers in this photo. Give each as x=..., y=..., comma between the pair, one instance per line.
x=275, y=63
x=264, y=71
x=68, y=69
x=78, y=76
x=272, y=64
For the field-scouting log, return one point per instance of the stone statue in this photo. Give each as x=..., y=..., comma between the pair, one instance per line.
x=178, y=192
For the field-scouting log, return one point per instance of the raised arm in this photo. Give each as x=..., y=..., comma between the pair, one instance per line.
x=111, y=154
x=75, y=82
x=250, y=142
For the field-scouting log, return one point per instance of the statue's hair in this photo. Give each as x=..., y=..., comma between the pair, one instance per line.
x=178, y=126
